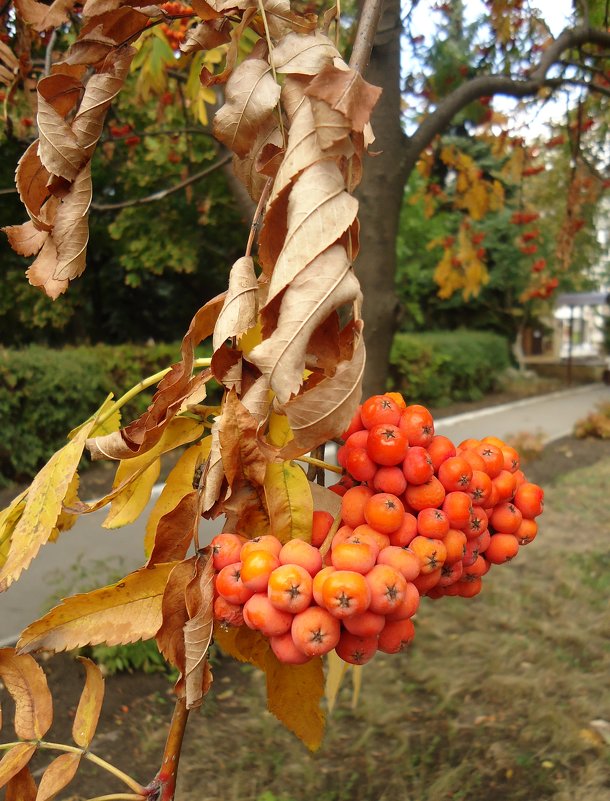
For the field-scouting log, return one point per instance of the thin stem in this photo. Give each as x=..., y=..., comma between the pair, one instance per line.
x=319, y=463
x=164, y=783
x=324, y=548
x=142, y=385
x=365, y=35
x=337, y=22
x=257, y=216
x=261, y=8
x=118, y=797
x=72, y=749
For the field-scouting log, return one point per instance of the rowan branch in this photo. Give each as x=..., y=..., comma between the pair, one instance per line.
x=365, y=34
x=488, y=85
x=163, y=193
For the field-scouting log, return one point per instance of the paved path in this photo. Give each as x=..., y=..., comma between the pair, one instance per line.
x=553, y=415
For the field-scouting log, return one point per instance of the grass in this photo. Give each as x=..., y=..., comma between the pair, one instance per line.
x=494, y=699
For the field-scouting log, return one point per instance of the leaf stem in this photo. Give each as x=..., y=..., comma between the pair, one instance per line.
x=140, y=386
x=261, y=8
x=319, y=463
x=72, y=749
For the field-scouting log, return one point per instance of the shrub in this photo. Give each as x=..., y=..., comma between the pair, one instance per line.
x=444, y=366
x=43, y=391
x=596, y=424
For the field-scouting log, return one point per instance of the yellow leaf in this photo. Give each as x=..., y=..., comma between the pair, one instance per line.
x=179, y=483
x=89, y=705
x=242, y=644
x=66, y=520
x=43, y=507
x=144, y=470
x=356, y=683
x=121, y=613
x=108, y=426
x=335, y=671
x=279, y=430
x=9, y=518
x=289, y=501
x=251, y=339
x=294, y=693
x=25, y=681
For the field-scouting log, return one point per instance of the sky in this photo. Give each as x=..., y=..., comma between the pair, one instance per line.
x=557, y=15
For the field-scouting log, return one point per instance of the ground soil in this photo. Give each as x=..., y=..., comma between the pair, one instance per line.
x=484, y=708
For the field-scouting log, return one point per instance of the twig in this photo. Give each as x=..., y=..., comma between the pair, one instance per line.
x=365, y=34
x=162, y=786
x=319, y=463
x=162, y=193
x=257, y=216
x=101, y=763
x=48, y=56
x=324, y=548
x=142, y=385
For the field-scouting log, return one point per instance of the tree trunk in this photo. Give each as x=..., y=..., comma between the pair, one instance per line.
x=380, y=196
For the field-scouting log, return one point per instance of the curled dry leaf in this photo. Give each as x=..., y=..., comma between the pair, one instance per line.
x=327, y=283
x=303, y=54
x=89, y=704
x=346, y=92
x=118, y=614
x=172, y=391
x=319, y=212
x=251, y=96
x=26, y=239
x=170, y=636
x=246, y=168
x=324, y=411
x=175, y=530
x=41, y=16
x=26, y=683
x=206, y=35
x=199, y=595
x=242, y=457
x=240, y=308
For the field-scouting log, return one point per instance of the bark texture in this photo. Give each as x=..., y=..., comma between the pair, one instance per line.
x=380, y=196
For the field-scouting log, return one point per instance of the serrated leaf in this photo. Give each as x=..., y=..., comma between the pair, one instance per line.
x=14, y=761
x=294, y=693
x=289, y=502
x=9, y=518
x=58, y=775
x=199, y=595
x=178, y=484
x=118, y=614
x=345, y=91
x=43, y=507
x=25, y=681
x=89, y=704
x=25, y=239
x=323, y=286
x=21, y=787
x=319, y=213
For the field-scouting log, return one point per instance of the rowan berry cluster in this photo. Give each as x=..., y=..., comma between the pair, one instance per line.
x=419, y=517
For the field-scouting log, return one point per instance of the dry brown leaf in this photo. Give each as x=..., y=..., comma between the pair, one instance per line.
x=213, y=475
x=303, y=149
x=63, y=256
x=332, y=128
x=324, y=285
x=251, y=97
x=319, y=212
x=58, y=774
x=304, y=54
x=198, y=629
x=240, y=309
x=172, y=390
x=246, y=168
x=32, y=179
x=204, y=10
x=206, y=78
x=14, y=761
x=89, y=48
x=206, y=35
x=293, y=94
x=170, y=637
x=242, y=457
x=345, y=91
x=121, y=613
x=41, y=16
x=324, y=411
x=89, y=704
x=26, y=683
x=175, y=530
x=324, y=500
x=256, y=400
x=25, y=239
x=21, y=787
x=58, y=147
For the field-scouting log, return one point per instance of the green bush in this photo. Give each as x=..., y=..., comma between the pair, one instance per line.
x=44, y=393
x=444, y=366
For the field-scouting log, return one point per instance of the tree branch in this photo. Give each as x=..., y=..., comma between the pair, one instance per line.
x=487, y=85
x=162, y=193
x=367, y=27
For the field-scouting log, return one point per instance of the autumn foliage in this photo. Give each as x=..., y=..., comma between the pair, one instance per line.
x=284, y=582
